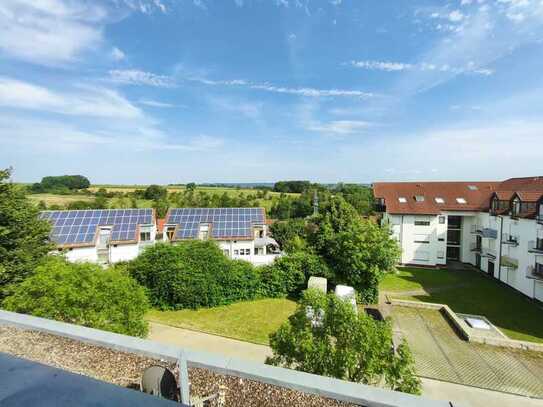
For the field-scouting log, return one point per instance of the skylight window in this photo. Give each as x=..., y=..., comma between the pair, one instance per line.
x=472, y=187
x=419, y=198
x=401, y=199
x=461, y=200
x=439, y=200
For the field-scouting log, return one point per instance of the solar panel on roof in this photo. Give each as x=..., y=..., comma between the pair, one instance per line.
x=79, y=227
x=226, y=222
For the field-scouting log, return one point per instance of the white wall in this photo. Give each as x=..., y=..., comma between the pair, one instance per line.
x=123, y=252
x=81, y=254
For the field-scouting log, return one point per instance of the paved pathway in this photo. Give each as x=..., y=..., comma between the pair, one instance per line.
x=463, y=395
x=208, y=343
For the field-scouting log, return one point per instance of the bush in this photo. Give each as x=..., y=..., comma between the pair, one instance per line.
x=155, y=193
x=288, y=275
x=193, y=274
x=339, y=343
x=82, y=294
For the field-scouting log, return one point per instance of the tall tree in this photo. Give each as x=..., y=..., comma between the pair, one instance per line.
x=24, y=239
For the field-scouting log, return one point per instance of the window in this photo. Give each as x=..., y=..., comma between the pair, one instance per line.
x=440, y=254
x=442, y=220
x=226, y=252
x=204, y=232
x=402, y=199
x=439, y=200
x=422, y=238
x=170, y=231
x=419, y=198
x=461, y=201
x=472, y=187
x=441, y=239
x=236, y=252
x=145, y=236
x=422, y=223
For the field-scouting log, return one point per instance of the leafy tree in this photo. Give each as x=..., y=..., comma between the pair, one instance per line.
x=282, y=209
x=61, y=183
x=82, y=294
x=359, y=196
x=193, y=274
x=155, y=193
x=291, y=186
x=285, y=232
x=161, y=206
x=326, y=337
x=24, y=239
x=191, y=186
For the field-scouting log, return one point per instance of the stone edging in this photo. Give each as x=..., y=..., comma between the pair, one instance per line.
x=466, y=332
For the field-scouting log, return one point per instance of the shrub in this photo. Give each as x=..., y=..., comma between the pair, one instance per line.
x=193, y=274
x=82, y=294
x=337, y=342
x=288, y=275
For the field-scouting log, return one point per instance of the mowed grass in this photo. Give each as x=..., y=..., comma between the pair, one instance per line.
x=250, y=321
x=62, y=200
x=516, y=315
x=412, y=278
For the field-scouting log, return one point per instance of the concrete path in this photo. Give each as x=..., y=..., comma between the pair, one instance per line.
x=463, y=395
x=208, y=343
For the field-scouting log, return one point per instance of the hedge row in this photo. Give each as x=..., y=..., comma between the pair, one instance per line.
x=196, y=274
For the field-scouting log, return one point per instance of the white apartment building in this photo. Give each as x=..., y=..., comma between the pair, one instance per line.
x=495, y=226
x=103, y=236
x=241, y=233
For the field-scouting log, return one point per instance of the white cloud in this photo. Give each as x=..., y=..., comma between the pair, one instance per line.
x=455, y=16
x=117, y=54
x=154, y=103
x=85, y=101
x=423, y=66
x=137, y=77
x=247, y=109
x=49, y=31
x=339, y=127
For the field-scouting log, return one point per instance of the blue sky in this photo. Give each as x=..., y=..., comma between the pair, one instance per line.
x=171, y=91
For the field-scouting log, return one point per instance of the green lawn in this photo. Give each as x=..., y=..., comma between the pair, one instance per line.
x=516, y=315
x=250, y=321
x=411, y=278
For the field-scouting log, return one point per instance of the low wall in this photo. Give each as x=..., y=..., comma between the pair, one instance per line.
x=465, y=331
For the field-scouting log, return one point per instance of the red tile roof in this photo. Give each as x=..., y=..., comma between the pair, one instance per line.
x=476, y=194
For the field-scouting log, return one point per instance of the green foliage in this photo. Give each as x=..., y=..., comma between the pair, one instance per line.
x=155, y=193
x=360, y=197
x=24, y=240
x=288, y=275
x=193, y=274
x=82, y=294
x=62, y=183
x=191, y=186
x=339, y=343
x=291, y=186
x=285, y=232
x=358, y=250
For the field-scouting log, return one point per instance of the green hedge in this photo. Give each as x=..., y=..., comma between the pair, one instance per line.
x=82, y=294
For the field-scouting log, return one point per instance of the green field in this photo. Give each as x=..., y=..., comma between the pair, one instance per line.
x=471, y=292
x=250, y=321
x=62, y=200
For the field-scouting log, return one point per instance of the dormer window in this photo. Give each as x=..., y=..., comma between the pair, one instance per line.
x=461, y=201
x=419, y=198
x=203, y=231
x=472, y=187
x=439, y=200
x=515, y=208
x=402, y=199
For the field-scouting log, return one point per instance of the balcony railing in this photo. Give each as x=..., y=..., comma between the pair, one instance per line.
x=489, y=253
x=539, y=219
x=509, y=262
x=535, y=272
x=487, y=233
x=535, y=246
x=474, y=247
x=509, y=239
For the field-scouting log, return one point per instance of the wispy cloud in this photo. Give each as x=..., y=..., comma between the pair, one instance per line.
x=137, y=77
x=82, y=101
x=154, y=103
x=339, y=127
x=117, y=54
x=424, y=66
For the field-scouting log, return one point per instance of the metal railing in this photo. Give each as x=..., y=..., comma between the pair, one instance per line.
x=474, y=247
x=509, y=239
x=535, y=272
x=342, y=390
x=535, y=246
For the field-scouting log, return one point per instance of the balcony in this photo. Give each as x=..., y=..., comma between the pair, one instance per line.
x=535, y=272
x=474, y=247
x=487, y=233
x=509, y=239
x=489, y=253
x=509, y=262
x=379, y=205
x=535, y=246
x=539, y=219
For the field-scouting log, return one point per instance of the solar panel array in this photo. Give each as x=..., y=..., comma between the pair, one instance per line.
x=80, y=227
x=226, y=222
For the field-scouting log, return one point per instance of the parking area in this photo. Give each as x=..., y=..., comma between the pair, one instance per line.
x=442, y=355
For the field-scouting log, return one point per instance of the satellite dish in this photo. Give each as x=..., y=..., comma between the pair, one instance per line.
x=159, y=381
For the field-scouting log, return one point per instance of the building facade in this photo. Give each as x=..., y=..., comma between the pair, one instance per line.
x=103, y=236
x=495, y=226
x=242, y=233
